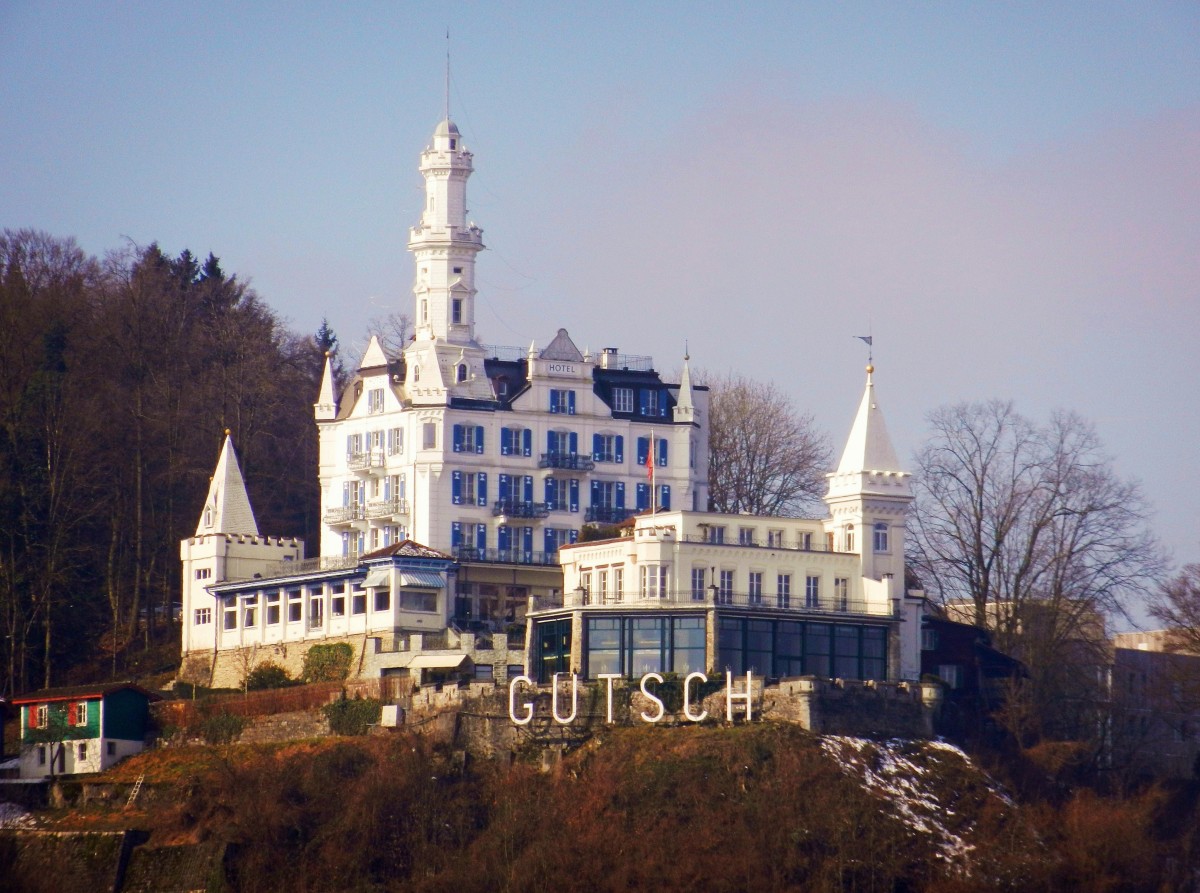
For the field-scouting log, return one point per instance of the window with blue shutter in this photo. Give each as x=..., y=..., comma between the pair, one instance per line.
x=644, y=401
x=456, y=487
x=620, y=451
x=661, y=448
x=621, y=495
x=526, y=442
x=573, y=443
x=573, y=497
x=345, y=493
x=527, y=542
x=643, y=447
x=552, y=442
x=597, y=448
x=481, y=488
x=572, y=536
x=570, y=402
x=527, y=489
x=664, y=496
x=458, y=438
x=455, y=534
x=479, y=439
x=481, y=537
x=643, y=497
x=550, y=540
x=504, y=488
x=506, y=441
x=504, y=538
x=595, y=493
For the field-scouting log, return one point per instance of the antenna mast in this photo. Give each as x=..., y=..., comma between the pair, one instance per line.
x=447, y=74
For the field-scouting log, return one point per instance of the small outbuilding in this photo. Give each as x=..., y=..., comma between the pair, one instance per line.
x=82, y=728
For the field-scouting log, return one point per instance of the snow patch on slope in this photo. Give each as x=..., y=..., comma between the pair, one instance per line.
x=911, y=777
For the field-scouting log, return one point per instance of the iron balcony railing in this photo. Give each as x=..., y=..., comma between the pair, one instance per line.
x=812, y=545
x=637, y=600
x=516, y=509
x=343, y=514
x=506, y=556
x=365, y=460
x=568, y=461
x=387, y=508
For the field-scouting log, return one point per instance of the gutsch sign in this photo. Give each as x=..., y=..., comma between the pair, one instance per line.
x=522, y=714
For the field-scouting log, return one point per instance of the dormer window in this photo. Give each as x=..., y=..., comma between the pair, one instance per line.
x=461, y=373
x=453, y=143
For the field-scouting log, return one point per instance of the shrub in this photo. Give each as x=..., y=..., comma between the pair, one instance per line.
x=352, y=717
x=268, y=675
x=222, y=728
x=327, y=663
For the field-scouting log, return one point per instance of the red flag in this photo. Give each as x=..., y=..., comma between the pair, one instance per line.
x=650, y=460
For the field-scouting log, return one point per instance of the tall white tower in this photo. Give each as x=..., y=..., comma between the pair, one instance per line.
x=444, y=243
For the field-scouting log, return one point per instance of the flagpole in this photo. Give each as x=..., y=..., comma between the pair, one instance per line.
x=650, y=465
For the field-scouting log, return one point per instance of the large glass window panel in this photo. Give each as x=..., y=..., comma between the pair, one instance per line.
x=846, y=652
x=817, y=650
x=604, y=646
x=646, y=646
x=874, y=653
x=689, y=645
x=729, y=644
x=759, y=647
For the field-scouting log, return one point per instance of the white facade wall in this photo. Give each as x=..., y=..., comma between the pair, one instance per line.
x=217, y=558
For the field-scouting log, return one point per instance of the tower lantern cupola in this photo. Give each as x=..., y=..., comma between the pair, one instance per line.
x=444, y=243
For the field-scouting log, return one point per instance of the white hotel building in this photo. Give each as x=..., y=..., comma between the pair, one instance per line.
x=491, y=458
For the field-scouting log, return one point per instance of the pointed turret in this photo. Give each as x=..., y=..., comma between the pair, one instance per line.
x=325, y=409
x=869, y=448
x=869, y=495
x=685, y=408
x=374, y=356
x=227, y=508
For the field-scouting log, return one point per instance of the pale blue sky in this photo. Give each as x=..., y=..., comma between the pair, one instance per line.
x=1007, y=193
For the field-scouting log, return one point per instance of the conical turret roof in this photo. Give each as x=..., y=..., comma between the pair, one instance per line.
x=227, y=508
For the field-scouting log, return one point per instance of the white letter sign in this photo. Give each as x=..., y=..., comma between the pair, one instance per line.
x=512, y=693
x=661, y=710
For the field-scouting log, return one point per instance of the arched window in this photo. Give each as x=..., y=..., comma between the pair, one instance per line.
x=416, y=374
x=461, y=373
x=849, y=537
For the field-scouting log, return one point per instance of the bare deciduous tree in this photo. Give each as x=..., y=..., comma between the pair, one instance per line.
x=765, y=457
x=1177, y=606
x=1031, y=528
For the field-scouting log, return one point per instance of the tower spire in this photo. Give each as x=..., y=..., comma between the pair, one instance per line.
x=227, y=508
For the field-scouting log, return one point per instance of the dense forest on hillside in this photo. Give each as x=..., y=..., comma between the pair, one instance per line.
x=755, y=807
x=118, y=378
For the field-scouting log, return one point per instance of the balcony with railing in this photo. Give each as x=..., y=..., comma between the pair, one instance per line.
x=774, y=604
x=512, y=508
x=506, y=556
x=344, y=514
x=387, y=508
x=368, y=461
x=567, y=461
x=812, y=545
x=308, y=565
x=606, y=514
